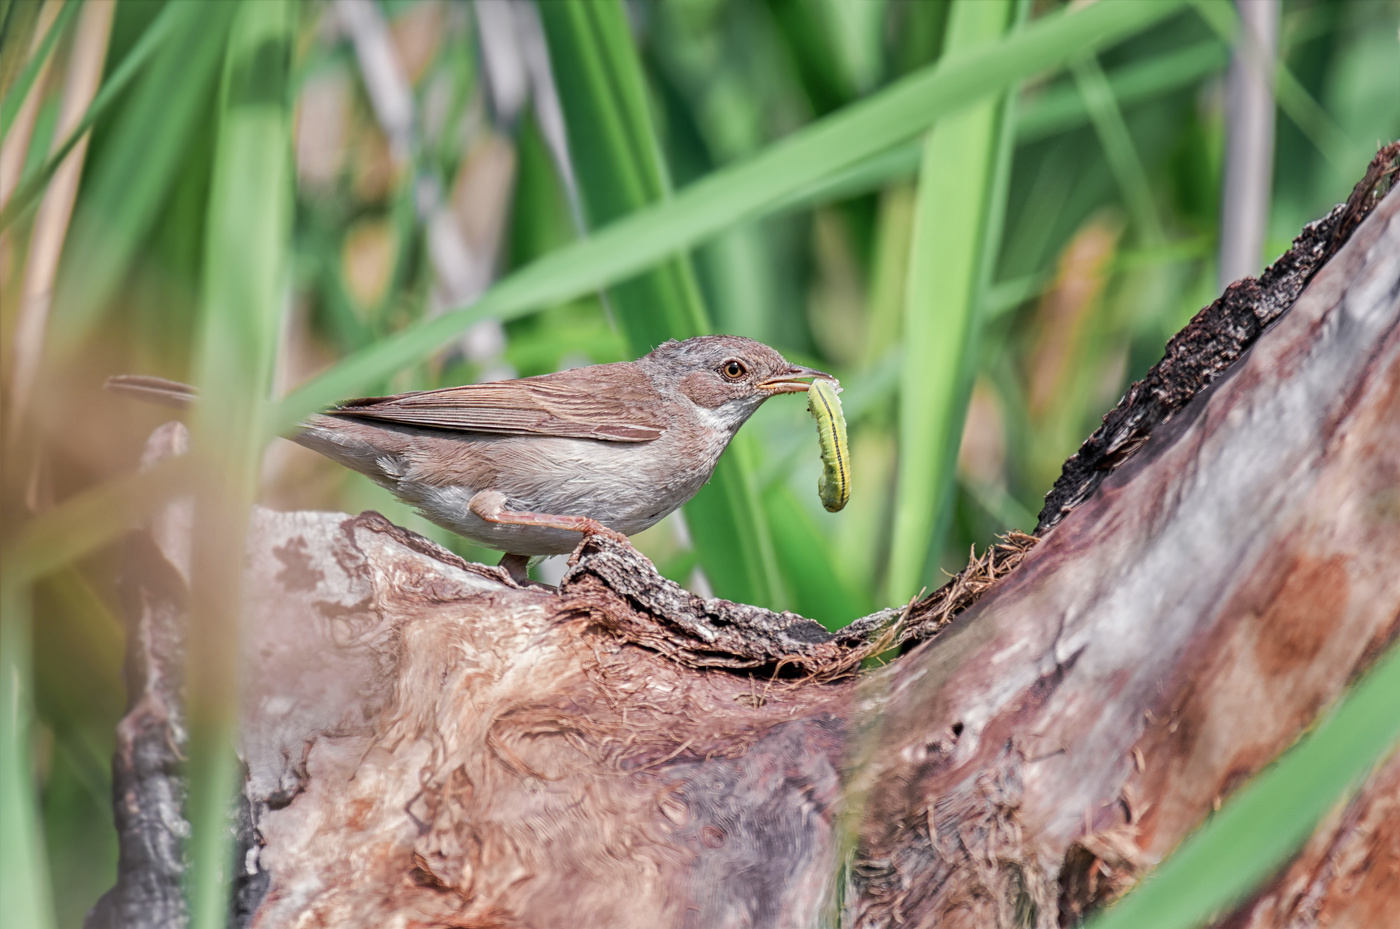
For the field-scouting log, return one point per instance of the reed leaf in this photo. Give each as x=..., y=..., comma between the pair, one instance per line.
x=243, y=292
x=1118, y=147
x=965, y=166
x=1056, y=110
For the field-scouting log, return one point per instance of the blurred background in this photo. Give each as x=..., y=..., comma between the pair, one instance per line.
x=985, y=290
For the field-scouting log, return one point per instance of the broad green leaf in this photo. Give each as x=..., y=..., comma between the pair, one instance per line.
x=751, y=188
x=1057, y=110
x=620, y=170
x=961, y=185
x=1264, y=824
x=246, y=275
x=612, y=144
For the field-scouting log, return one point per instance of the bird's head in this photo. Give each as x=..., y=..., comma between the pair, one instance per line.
x=728, y=376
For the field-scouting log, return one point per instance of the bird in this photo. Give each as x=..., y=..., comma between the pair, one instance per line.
x=532, y=465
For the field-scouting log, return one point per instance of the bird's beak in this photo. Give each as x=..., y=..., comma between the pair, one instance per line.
x=795, y=381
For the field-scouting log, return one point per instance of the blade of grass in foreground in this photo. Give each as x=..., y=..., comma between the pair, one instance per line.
x=749, y=189
x=965, y=162
x=245, y=279
x=1258, y=829
x=620, y=170
x=25, y=892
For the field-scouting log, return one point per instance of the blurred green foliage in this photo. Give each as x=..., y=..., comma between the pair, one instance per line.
x=762, y=167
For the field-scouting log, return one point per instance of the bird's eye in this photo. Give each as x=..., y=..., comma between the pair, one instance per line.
x=733, y=369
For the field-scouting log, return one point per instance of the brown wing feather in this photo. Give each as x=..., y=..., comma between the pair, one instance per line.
x=612, y=402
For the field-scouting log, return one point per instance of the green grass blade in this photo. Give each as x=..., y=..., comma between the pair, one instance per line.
x=964, y=165
x=26, y=897
x=889, y=272
x=16, y=95
x=749, y=189
x=126, y=187
x=620, y=170
x=1270, y=817
x=243, y=290
x=1057, y=110
x=18, y=24
x=151, y=40
x=1118, y=147
x=1064, y=107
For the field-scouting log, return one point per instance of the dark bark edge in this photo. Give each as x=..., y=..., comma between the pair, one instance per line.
x=1214, y=339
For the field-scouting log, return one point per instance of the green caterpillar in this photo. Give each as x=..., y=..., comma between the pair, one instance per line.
x=834, y=486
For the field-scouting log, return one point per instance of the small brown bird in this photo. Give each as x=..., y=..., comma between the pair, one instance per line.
x=525, y=466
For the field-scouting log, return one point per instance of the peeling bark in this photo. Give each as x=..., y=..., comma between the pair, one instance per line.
x=430, y=744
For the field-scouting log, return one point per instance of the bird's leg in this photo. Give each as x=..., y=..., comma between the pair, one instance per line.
x=490, y=506
x=518, y=567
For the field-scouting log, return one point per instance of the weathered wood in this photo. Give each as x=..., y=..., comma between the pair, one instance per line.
x=430, y=744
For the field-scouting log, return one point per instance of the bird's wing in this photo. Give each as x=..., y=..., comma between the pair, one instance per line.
x=612, y=402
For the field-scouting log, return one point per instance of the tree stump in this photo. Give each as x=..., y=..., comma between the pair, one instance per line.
x=428, y=743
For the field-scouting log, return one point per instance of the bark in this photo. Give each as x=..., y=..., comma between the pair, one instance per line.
x=429, y=744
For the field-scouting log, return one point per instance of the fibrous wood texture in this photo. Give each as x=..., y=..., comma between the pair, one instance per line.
x=429, y=744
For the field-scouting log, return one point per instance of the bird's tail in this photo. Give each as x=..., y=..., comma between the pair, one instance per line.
x=153, y=390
